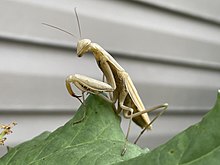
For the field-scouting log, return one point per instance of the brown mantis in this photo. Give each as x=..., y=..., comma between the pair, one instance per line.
x=121, y=84
x=118, y=84
x=6, y=130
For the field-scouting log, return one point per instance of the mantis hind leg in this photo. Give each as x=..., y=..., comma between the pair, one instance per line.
x=164, y=108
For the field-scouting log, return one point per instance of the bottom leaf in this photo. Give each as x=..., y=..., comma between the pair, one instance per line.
x=93, y=136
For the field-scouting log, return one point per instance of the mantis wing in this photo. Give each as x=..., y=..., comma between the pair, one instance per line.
x=133, y=100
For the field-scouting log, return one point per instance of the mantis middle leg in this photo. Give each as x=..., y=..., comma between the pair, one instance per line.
x=126, y=104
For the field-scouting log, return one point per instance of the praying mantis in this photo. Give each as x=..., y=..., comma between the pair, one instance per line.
x=118, y=84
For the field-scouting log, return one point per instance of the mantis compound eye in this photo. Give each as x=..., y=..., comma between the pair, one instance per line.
x=83, y=47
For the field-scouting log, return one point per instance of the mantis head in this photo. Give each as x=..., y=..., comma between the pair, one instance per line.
x=83, y=46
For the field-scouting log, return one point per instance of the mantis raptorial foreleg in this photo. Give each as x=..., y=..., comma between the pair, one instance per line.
x=87, y=84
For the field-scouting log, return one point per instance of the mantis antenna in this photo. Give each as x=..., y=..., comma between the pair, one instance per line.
x=77, y=18
x=78, y=23
x=55, y=27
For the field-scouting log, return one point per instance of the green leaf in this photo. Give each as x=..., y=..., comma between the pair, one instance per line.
x=93, y=136
x=197, y=145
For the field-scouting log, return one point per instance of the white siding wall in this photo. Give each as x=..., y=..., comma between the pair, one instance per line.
x=171, y=53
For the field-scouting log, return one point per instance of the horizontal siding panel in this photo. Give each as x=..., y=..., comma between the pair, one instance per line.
x=179, y=37
x=201, y=9
x=171, y=58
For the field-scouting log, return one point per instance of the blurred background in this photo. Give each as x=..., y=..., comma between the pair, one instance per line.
x=169, y=48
